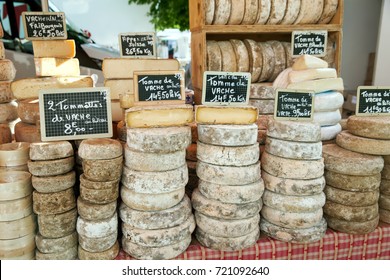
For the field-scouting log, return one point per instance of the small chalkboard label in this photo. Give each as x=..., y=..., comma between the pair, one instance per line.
x=159, y=87
x=44, y=25
x=71, y=114
x=294, y=105
x=309, y=42
x=226, y=88
x=138, y=44
x=372, y=100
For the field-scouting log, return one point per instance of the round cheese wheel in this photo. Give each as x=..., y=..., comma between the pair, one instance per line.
x=289, y=57
x=28, y=110
x=7, y=70
x=214, y=56
x=328, y=101
x=384, y=202
x=384, y=216
x=353, y=183
x=310, y=11
x=265, y=107
x=294, y=131
x=5, y=134
x=292, y=11
x=5, y=92
x=293, y=186
x=51, y=167
x=385, y=187
x=227, y=243
x=264, y=11
x=327, y=118
x=229, y=61
x=97, y=228
x=236, y=13
x=54, y=203
x=209, y=8
x=352, y=227
x=292, y=168
x=98, y=244
x=278, y=9
x=250, y=14
x=69, y=254
x=27, y=132
x=262, y=91
x=51, y=150
x=11, y=210
x=100, y=196
x=51, y=184
x=14, y=154
x=228, y=135
x=126, y=101
x=57, y=225
x=8, y=112
x=242, y=55
x=14, y=185
x=351, y=198
x=100, y=149
x=159, y=140
x=330, y=9
x=102, y=170
x=14, y=168
x=268, y=65
x=221, y=210
x=191, y=152
x=222, y=11
x=301, y=236
x=370, y=127
x=330, y=132
x=279, y=57
x=109, y=254
x=293, y=150
x=351, y=213
x=86, y=183
x=255, y=59
x=93, y=211
x=56, y=245
x=363, y=145
x=17, y=248
x=18, y=228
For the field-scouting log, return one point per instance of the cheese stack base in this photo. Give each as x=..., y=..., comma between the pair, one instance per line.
x=292, y=169
x=384, y=199
x=352, y=190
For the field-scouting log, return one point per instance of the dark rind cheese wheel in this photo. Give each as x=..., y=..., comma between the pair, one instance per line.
x=5, y=134
x=330, y=9
x=229, y=61
x=255, y=59
x=268, y=61
x=54, y=203
x=27, y=132
x=278, y=9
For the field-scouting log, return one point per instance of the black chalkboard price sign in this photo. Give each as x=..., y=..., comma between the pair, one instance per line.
x=71, y=114
x=44, y=25
x=309, y=42
x=226, y=88
x=159, y=87
x=372, y=100
x=138, y=44
x=293, y=105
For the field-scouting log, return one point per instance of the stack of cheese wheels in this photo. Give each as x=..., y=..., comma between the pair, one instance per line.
x=384, y=199
x=156, y=213
x=310, y=73
x=56, y=68
x=262, y=96
x=17, y=220
x=14, y=156
x=97, y=224
x=227, y=201
x=262, y=124
x=352, y=190
x=191, y=159
x=51, y=164
x=292, y=170
x=270, y=12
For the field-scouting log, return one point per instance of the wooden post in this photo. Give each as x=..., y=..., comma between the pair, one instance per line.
x=45, y=5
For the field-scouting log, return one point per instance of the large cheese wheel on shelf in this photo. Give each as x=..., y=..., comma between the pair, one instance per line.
x=69, y=254
x=51, y=167
x=109, y=254
x=209, y=7
x=94, y=149
x=50, y=184
x=289, y=58
x=11, y=210
x=236, y=13
x=54, y=203
x=363, y=145
x=222, y=11
x=99, y=196
x=28, y=110
x=54, y=48
x=56, y=245
x=279, y=57
x=27, y=132
x=229, y=60
x=262, y=91
x=98, y=228
x=250, y=14
x=93, y=211
x=294, y=131
x=98, y=244
x=50, y=150
x=370, y=127
x=330, y=9
x=5, y=92
x=242, y=55
x=264, y=11
x=255, y=59
x=351, y=198
x=14, y=185
x=293, y=150
x=228, y=135
x=310, y=11
x=214, y=56
x=102, y=170
x=51, y=66
x=7, y=70
x=353, y=183
x=14, y=154
x=268, y=65
x=278, y=9
x=292, y=11
x=8, y=112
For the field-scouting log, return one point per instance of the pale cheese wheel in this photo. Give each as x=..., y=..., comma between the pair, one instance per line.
x=14, y=168
x=370, y=127
x=328, y=101
x=242, y=55
x=151, y=201
x=228, y=135
x=191, y=152
x=289, y=58
x=54, y=203
x=126, y=101
x=98, y=244
x=351, y=198
x=57, y=225
x=363, y=145
x=14, y=185
x=166, y=218
x=353, y=183
x=352, y=227
x=281, y=80
x=255, y=59
x=351, y=213
x=292, y=168
x=51, y=167
x=18, y=228
x=86, y=183
x=93, y=211
x=293, y=220
x=232, y=194
x=300, y=236
x=279, y=57
x=159, y=140
x=340, y=160
x=330, y=9
x=155, y=253
x=386, y=172
x=229, y=61
x=27, y=132
x=5, y=92
x=7, y=70
x=385, y=187
x=384, y=202
x=154, y=162
x=384, y=216
x=100, y=196
x=227, y=243
x=209, y=8
x=28, y=110
x=214, y=56
x=17, y=248
x=97, y=228
x=56, y=245
x=51, y=150
x=251, y=10
x=268, y=65
x=228, y=175
x=294, y=131
x=102, y=170
x=293, y=150
x=226, y=228
x=221, y=210
x=26, y=256
x=51, y=184
x=262, y=91
x=298, y=76
x=330, y=132
x=310, y=11
x=278, y=9
x=236, y=13
x=5, y=134
x=265, y=106
x=327, y=118
x=155, y=182
x=8, y=112
x=292, y=11
x=69, y=254
x=222, y=12
x=11, y=210
x=120, y=88
x=264, y=12
x=100, y=149
x=109, y=254
x=293, y=186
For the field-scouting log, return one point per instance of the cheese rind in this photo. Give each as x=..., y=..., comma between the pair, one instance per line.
x=384, y=202
x=327, y=118
x=54, y=203
x=321, y=85
x=268, y=61
x=18, y=248
x=352, y=227
x=297, y=76
x=384, y=216
x=353, y=183
x=278, y=9
x=100, y=196
x=363, y=145
x=51, y=150
x=255, y=59
x=280, y=59
x=103, y=170
x=7, y=70
x=98, y=244
x=119, y=87
x=57, y=225
x=69, y=254
x=330, y=132
x=225, y=115
x=236, y=13
x=109, y=254
x=229, y=60
x=214, y=56
x=209, y=7
x=14, y=185
x=28, y=110
x=351, y=198
x=292, y=11
x=14, y=154
x=11, y=210
x=242, y=56
x=370, y=127
x=54, y=48
x=305, y=62
x=94, y=149
x=55, y=245
x=310, y=11
x=228, y=135
x=294, y=131
x=18, y=228
x=265, y=106
x=222, y=11
x=250, y=14
x=330, y=9
x=98, y=228
x=351, y=213
x=50, y=184
x=51, y=167
x=293, y=150
x=51, y=66
x=8, y=112
x=262, y=91
x=5, y=92
x=93, y=211
x=25, y=132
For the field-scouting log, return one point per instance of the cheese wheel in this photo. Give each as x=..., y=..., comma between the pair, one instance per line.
x=214, y=56
x=232, y=194
x=310, y=11
x=292, y=168
x=27, y=132
x=191, y=152
x=385, y=187
x=209, y=8
x=351, y=198
x=165, y=218
x=262, y=91
x=384, y=216
x=14, y=185
x=370, y=127
x=222, y=12
x=301, y=236
x=297, y=76
x=100, y=196
x=268, y=65
x=327, y=118
x=293, y=187
x=289, y=58
x=229, y=61
x=126, y=101
x=155, y=253
x=279, y=57
x=97, y=228
x=93, y=211
x=98, y=244
x=340, y=160
x=250, y=14
x=69, y=254
x=264, y=12
x=363, y=145
x=278, y=9
x=236, y=13
x=102, y=170
x=255, y=59
x=292, y=220
x=28, y=110
x=352, y=227
x=153, y=162
x=330, y=132
x=351, y=213
x=330, y=9
x=221, y=210
x=353, y=183
x=17, y=248
x=228, y=175
x=54, y=203
x=109, y=254
x=5, y=92
x=100, y=149
x=55, y=245
x=11, y=210
x=7, y=70
x=159, y=140
x=18, y=228
x=119, y=87
x=293, y=150
x=50, y=150
x=14, y=168
x=51, y=66
x=228, y=135
x=8, y=112
x=292, y=11
x=242, y=55
x=294, y=131
x=328, y=101
x=51, y=184
x=54, y=48
x=227, y=243
x=5, y=134
x=151, y=201
x=264, y=106
x=384, y=202
x=386, y=172
x=51, y=167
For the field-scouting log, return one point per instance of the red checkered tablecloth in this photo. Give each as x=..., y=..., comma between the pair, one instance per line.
x=334, y=246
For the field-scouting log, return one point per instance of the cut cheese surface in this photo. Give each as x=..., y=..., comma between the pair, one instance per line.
x=7, y=70
x=297, y=76
x=54, y=48
x=52, y=184
x=352, y=227
x=48, y=66
x=370, y=127
x=119, y=87
x=306, y=61
x=126, y=101
x=319, y=85
x=225, y=115
x=281, y=80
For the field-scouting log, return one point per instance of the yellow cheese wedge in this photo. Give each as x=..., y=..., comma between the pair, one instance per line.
x=119, y=87
x=7, y=70
x=320, y=85
x=309, y=62
x=54, y=48
x=226, y=115
x=159, y=116
x=50, y=66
